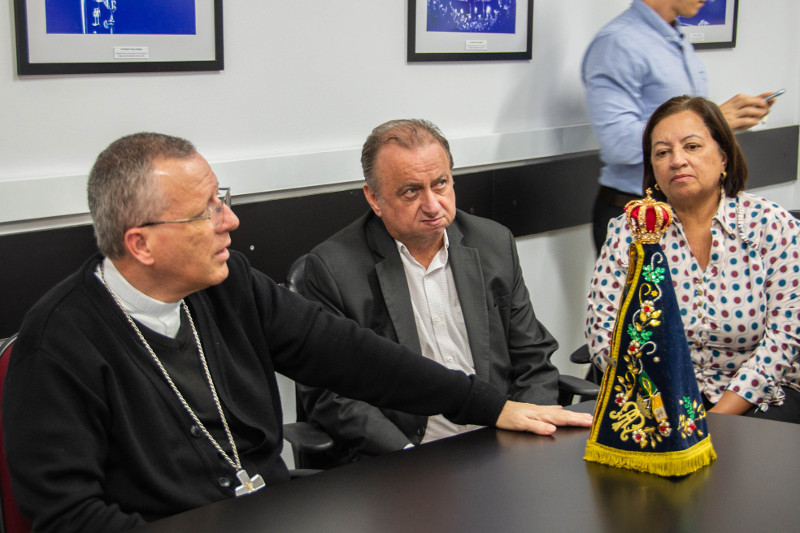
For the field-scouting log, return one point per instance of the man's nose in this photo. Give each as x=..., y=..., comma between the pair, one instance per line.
x=430, y=201
x=229, y=221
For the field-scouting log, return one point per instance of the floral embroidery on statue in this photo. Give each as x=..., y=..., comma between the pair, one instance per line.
x=641, y=414
x=649, y=415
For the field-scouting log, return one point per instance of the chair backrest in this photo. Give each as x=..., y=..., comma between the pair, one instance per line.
x=309, y=440
x=296, y=276
x=12, y=520
x=296, y=282
x=795, y=213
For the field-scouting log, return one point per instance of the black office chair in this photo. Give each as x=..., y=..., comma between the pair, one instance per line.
x=568, y=386
x=795, y=213
x=581, y=356
x=307, y=438
x=571, y=386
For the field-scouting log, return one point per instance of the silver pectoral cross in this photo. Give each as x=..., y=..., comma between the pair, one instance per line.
x=248, y=484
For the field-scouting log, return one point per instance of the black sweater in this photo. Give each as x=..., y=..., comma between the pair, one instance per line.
x=97, y=441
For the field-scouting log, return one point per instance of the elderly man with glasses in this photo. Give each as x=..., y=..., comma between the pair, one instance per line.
x=144, y=384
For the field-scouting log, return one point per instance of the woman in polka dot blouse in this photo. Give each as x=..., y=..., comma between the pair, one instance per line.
x=734, y=263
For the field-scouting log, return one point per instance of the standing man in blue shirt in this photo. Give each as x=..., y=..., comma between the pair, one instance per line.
x=635, y=63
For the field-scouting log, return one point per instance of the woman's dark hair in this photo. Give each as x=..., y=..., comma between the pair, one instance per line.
x=712, y=117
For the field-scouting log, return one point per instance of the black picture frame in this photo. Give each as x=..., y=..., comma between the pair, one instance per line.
x=42, y=53
x=424, y=45
x=705, y=37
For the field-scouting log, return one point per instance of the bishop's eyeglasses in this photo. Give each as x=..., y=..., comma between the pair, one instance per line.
x=215, y=212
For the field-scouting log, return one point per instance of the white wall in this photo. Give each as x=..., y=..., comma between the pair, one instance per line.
x=300, y=77
x=304, y=82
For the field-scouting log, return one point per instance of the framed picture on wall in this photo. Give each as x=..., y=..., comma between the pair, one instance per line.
x=464, y=30
x=97, y=36
x=714, y=26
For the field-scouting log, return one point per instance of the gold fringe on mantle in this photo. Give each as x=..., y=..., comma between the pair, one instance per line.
x=679, y=463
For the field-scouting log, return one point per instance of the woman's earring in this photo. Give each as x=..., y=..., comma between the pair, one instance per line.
x=724, y=175
x=656, y=187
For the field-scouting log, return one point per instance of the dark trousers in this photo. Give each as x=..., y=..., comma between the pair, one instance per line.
x=609, y=204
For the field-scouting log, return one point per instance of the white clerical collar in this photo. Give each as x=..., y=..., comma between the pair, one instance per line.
x=161, y=317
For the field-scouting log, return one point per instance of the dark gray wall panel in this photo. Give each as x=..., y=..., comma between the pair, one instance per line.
x=546, y=196
x=771, y=155
x=539, y=196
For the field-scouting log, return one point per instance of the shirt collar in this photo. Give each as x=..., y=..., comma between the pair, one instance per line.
x=726, y=214
x=443, y=252
x=668, y=31
x=162, y=317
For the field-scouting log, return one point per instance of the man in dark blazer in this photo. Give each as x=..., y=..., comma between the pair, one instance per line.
x=445, y=283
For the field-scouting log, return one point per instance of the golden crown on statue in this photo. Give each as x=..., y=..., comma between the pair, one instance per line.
x=648, y=219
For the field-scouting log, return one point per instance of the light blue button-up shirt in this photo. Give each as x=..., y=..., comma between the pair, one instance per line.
x=633, y=65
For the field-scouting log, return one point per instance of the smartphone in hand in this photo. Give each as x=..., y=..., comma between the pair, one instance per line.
x=774, y=95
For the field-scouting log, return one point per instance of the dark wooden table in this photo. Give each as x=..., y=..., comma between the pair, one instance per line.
x=496, y=481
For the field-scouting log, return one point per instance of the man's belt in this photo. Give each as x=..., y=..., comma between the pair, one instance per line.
x=615, y=197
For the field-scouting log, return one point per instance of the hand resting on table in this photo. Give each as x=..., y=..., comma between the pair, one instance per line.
x=540, y=419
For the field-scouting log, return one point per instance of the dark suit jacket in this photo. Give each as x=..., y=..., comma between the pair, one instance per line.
x=358, y=273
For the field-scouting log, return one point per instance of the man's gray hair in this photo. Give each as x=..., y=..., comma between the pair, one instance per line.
x=408, y=133
x=122, y=191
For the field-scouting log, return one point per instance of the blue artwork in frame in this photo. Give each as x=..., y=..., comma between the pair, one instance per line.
x=132, y=17
x=469, y=30
x=478, y=16
x=115, y=36
x=711, y=14
x=714, y=25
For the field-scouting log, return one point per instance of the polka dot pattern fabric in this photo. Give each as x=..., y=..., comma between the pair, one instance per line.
x=741, y=314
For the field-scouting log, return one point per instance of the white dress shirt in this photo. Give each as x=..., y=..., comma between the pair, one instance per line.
x=440, y=324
